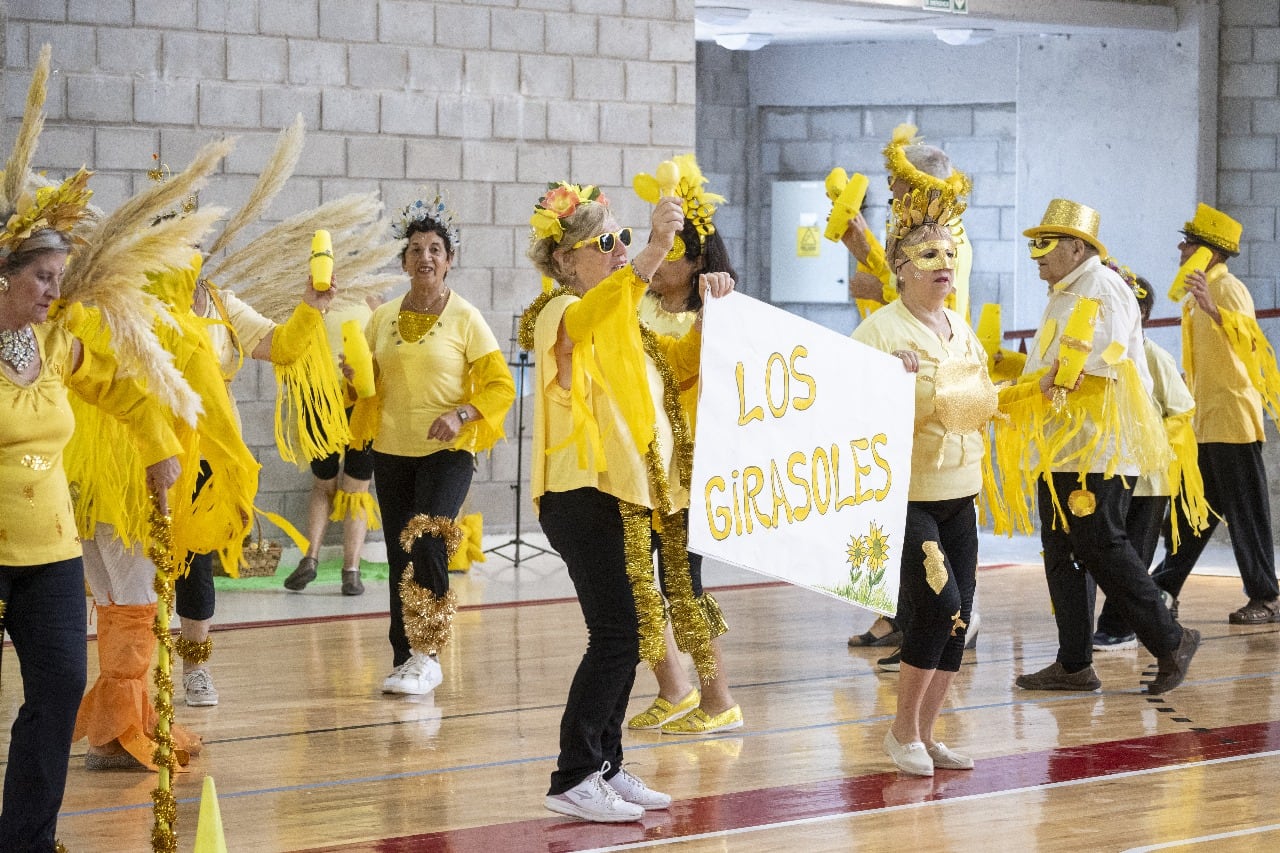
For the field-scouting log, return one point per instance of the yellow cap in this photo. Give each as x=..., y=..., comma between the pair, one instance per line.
x=1215, y=229
x=1071, y=219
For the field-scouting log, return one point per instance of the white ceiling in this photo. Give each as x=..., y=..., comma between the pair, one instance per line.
x=840, y=21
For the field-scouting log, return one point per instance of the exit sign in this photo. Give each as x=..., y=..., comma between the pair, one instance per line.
x=958, y=7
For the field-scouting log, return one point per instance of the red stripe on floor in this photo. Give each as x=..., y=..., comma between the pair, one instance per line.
x=768, y=806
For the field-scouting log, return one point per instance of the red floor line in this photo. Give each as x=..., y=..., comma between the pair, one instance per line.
x=768, y=806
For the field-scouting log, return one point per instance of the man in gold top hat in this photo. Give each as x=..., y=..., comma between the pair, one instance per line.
x=1231, y=369
x=1083, y=454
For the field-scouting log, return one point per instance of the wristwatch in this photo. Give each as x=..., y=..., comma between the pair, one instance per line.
x=463, y=414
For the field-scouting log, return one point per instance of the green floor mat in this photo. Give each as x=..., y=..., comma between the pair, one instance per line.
x=328, y=572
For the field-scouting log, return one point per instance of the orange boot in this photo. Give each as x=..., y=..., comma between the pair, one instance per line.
x=118, y=708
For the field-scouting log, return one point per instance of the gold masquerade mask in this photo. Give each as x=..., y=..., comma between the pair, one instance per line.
x=1041, y=246
x=931, y=255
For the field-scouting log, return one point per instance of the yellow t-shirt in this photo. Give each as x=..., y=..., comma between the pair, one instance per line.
x=37, y=523
x=418, y=382
x=674, y=326
x=944, y=464
x=1228, y=406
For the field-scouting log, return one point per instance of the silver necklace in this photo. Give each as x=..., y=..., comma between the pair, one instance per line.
x=18, y=348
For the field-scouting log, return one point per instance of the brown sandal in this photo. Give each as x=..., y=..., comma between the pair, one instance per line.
x=893, y=638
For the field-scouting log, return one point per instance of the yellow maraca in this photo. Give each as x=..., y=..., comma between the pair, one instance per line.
x=846, y=194
x=1199, y=260
x=356, y=351
x=321, y=260
x=668, y=178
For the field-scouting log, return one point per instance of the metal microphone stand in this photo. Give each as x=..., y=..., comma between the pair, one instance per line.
x=519, y=364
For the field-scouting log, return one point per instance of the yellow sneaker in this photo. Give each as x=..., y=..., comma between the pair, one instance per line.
x=662, y=711
x=697, y=722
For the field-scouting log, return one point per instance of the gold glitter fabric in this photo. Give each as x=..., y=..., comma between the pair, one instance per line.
x=964, y=399
x=716, y=624
x=36, y=462
x=636, y=542
x=193, y=651
x=688, y=622
x=427, y=618
x=412, y=325
x=935, y=567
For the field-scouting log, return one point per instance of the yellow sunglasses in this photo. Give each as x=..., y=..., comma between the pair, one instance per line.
x=607, y=241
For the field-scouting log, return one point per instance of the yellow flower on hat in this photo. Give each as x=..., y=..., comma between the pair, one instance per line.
x=560, y=202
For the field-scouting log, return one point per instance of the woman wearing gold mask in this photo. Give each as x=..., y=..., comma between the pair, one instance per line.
x=954, y=401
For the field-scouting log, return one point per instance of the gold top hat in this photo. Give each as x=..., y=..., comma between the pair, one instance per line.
x=1215, y=229
x=1072, y=219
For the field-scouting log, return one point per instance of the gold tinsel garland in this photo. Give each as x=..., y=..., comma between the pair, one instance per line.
x=164, y=838
x=688, y=621
x=191, y=650
x=524, y=338
x=637, y=552
x=428, y=617
x=711, y=611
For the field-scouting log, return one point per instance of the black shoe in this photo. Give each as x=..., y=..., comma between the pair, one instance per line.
x=1173, y=666
x=892, y=663
x=1257, y=612
x=301, y=576
x=351, y=584
x=1055, y=677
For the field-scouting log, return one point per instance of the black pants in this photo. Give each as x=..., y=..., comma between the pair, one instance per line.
x=45, y=616
x=946, y=530
x=434, y=485
x=1143, y=522
x=585, y=527
x=695, y=563
x=1098, y=544
x=193, y=590
x=1235, y=485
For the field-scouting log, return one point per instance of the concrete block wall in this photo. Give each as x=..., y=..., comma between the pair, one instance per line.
x=484, y=100
x=1248, y=167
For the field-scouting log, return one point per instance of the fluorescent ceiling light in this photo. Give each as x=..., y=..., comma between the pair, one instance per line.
x=743, y=41
x=962, y=36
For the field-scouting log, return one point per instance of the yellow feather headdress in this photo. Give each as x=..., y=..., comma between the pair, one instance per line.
x=929, y=199
x=699, y=205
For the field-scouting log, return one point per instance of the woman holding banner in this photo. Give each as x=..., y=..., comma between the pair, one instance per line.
x=954, y=401
x=671, y=308
x=611, y=454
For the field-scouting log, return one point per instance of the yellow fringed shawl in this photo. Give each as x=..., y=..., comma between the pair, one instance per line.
x=311, y=415
x=1186, y=486
x=1123, y=429
x=1250, y=346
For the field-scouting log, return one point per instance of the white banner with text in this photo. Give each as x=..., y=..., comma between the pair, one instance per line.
x=802, y=456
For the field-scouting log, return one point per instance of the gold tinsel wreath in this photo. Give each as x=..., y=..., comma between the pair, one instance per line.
x=193, y=651
x=638, y=553
x=427, y=617
x=438, y=526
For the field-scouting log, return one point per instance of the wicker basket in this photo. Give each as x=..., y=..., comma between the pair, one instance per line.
x=261, y=556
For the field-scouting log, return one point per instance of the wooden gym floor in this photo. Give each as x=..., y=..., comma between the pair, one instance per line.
x=307, y=755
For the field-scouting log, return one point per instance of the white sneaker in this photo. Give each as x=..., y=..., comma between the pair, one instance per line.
x=417, y=676
x=198, y=685
x=594, y=799
x=633, y=790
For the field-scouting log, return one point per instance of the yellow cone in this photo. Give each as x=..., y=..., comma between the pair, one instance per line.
x=209, y=837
